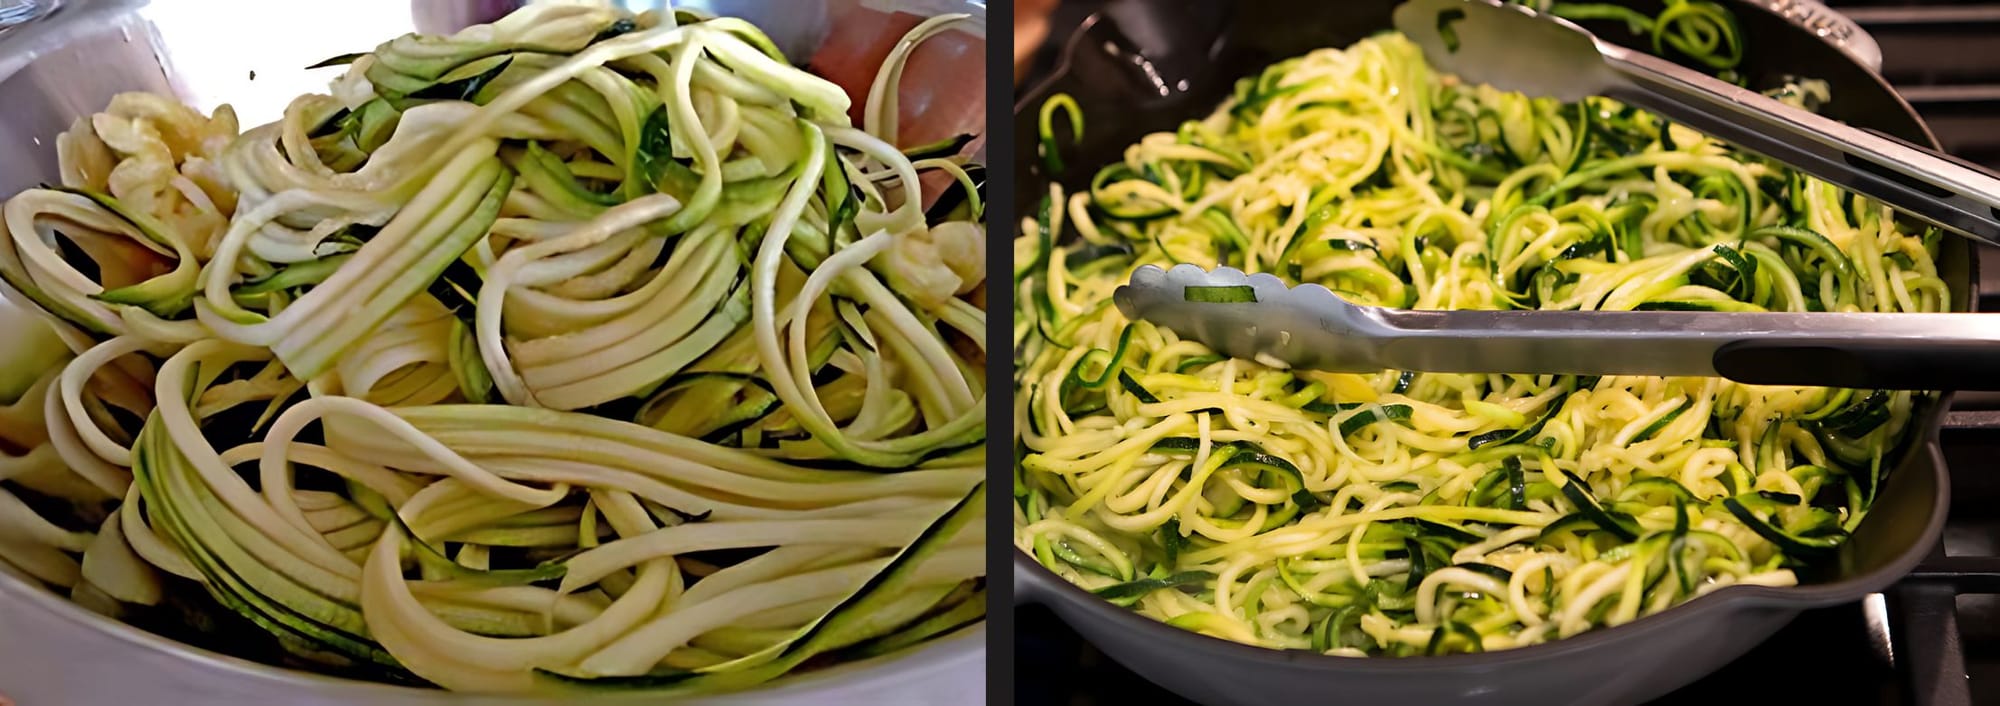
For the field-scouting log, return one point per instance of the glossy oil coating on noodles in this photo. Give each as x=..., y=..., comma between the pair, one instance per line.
x=1399, y=513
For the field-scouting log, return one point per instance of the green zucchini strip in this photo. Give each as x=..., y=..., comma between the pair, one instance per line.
x=584, y=343
x=1396, y=513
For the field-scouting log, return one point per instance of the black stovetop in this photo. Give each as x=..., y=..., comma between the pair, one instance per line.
x=1943, y=621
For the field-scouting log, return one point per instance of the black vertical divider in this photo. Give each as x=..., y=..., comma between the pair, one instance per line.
x=999, y=351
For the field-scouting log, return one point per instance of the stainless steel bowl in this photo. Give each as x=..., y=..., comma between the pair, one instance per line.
x=250, y=54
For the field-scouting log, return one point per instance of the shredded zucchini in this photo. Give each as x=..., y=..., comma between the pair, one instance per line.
x=1409, y=514
x=583, y=349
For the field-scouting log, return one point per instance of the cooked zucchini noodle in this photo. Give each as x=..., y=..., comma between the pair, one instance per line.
x=578, y=349
x=1399, y=513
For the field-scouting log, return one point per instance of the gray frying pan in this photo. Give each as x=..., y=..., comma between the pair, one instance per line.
x=1136, y=72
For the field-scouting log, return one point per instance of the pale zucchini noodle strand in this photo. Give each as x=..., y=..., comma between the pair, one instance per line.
x=583, y=349
x=1405, y=514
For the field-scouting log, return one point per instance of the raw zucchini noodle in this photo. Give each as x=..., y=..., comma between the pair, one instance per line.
x=578, y=349
x=1400, y=513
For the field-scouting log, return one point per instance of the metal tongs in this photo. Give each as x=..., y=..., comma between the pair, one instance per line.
x=1257, y=317
x=1512, y=47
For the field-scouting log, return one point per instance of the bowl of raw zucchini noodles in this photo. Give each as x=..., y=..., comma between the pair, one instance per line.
x=1243, y=533
x=579, y=353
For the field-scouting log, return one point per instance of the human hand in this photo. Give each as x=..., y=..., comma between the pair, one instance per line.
x=1031, y=27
